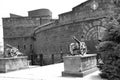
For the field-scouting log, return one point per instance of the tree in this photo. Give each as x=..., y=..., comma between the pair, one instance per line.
x=109, y=50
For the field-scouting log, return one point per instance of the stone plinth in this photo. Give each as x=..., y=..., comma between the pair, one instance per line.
x=13, y=63
x=79, y=66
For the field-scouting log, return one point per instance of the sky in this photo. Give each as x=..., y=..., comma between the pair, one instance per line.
x=21, y=7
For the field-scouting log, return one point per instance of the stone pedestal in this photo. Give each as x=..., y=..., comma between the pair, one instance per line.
x=79, y=66
x=13, y=63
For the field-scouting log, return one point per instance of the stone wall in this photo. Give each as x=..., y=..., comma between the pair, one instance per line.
x=24, y=44
x=18, y=31
x=55, y=39
x=21, y=21
x=85, y=11
x=65, y=17
x=23, y=26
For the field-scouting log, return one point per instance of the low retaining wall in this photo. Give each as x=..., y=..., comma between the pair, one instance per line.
x=13, y=63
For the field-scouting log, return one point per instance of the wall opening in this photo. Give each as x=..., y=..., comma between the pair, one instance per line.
x=24, y=46
x=18, y=47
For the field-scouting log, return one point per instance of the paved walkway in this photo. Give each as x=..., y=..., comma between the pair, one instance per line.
x=50, y=72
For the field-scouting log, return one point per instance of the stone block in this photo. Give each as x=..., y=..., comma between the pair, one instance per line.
x=13, y=63
x=79, y=65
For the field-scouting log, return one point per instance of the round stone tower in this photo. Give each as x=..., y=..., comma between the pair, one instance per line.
x=40, y=13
